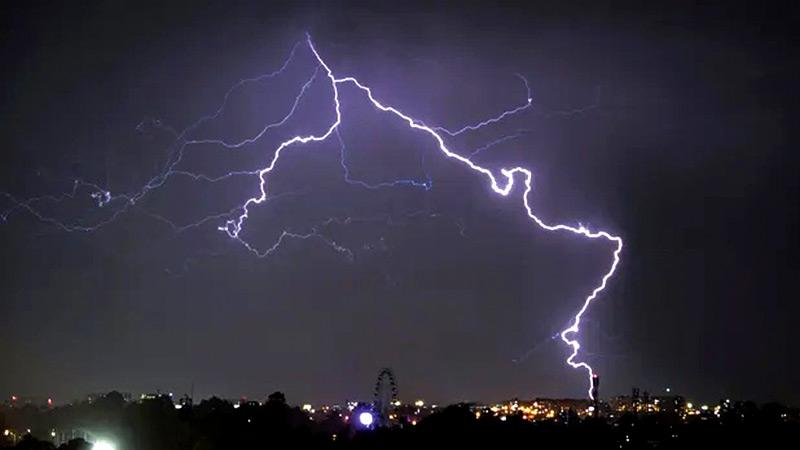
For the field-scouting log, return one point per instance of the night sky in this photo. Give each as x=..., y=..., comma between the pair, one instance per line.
x=670, y=126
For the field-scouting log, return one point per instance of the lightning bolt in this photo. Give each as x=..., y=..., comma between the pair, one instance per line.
x=501, y=184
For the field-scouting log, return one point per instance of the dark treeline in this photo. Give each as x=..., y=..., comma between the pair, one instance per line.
x=155, y=424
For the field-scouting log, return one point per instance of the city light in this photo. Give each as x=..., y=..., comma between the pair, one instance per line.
x=365, y=418
x=103, y=445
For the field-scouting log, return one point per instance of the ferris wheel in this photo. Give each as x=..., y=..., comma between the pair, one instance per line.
x=385, y=394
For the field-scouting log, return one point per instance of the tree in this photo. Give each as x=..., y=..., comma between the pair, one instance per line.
x=75, y=444
x=277, y=397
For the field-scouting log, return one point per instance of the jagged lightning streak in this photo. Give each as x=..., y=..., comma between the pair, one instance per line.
x=427, y=184
x=503, y=186
x=499, y=118
x=496, y=142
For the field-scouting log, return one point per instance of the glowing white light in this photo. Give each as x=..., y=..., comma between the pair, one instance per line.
x=365, y=418
x=103, y=445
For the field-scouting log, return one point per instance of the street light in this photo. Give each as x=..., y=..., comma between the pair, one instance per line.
x=365, y=418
